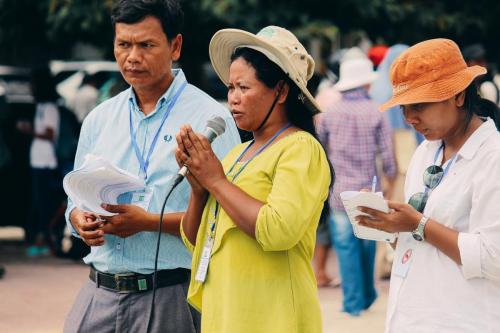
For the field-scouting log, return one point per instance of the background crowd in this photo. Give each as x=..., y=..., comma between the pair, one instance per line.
x=42, y=108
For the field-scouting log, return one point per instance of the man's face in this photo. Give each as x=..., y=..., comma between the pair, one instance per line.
x=144, y=53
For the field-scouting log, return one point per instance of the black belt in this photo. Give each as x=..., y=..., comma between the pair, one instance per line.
x=134, y=282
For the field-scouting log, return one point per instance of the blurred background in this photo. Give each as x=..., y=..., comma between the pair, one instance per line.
x=74, y=38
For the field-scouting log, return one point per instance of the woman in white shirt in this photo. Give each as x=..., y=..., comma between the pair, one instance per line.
x=446, y=270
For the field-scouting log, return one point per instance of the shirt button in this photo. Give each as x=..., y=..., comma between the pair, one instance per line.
x=118, y=246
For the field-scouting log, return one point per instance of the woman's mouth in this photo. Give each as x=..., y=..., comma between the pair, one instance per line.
x=423, y=131
x=236, y=114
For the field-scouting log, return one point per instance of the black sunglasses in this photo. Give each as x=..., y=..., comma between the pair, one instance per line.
x=432, y=177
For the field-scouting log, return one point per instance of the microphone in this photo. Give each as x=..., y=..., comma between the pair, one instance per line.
x=215, y=127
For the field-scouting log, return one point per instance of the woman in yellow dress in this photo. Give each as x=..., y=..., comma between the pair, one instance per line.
x=251, y=220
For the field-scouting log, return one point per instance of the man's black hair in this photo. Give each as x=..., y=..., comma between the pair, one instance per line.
x=168, y=12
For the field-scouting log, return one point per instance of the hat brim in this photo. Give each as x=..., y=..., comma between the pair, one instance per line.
x=436, y=91
x=351, y=83
x=226, y=41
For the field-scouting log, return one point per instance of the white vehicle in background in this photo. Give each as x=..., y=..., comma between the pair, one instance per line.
x=70, y=74
x=15, y=84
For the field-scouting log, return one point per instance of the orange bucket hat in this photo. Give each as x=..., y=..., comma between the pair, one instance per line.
x=430, y=71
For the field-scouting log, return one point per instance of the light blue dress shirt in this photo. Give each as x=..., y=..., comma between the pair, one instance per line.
x=106, y=133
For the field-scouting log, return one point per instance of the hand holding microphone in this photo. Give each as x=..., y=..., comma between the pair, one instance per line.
x=194, y=153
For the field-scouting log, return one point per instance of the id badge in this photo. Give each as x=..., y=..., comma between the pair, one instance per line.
x=142, y=198
x=402, y=265
x=201, y=273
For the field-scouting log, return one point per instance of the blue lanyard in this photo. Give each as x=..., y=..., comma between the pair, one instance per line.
x=144, y=163
x=261, y=149
x=452, y=160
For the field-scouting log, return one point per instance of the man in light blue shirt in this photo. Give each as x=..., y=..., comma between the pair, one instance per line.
x=136, y=131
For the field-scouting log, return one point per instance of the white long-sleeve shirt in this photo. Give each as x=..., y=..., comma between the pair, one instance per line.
x=438, y=295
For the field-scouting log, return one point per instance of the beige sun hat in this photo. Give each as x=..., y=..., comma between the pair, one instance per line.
x=277, y=44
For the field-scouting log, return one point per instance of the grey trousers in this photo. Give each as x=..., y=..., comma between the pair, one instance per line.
x=98, y=310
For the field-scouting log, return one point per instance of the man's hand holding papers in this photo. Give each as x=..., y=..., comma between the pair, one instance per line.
x=87, y=226
x=97, y=181
x=128, y=221
x=95, y=188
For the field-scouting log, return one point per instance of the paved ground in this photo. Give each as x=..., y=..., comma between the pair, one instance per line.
x=35, y=295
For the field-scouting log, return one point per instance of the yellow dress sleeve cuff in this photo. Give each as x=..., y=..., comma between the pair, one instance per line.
x=186, y=241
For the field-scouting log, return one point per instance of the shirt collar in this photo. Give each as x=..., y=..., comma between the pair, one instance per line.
x=179, y=79
x=355, y=94
x=471, y=146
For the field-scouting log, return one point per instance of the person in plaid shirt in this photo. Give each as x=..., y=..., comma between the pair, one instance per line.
x=354, y=133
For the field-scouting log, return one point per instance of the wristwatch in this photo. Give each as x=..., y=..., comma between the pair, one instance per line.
x=418, y=234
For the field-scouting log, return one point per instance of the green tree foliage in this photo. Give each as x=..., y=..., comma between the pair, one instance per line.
x=407, y=21
x=33, y=32
x=34, y=29
x=22, y=32
x=80, y=20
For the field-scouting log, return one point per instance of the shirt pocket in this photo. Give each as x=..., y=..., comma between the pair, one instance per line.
x=452, y=209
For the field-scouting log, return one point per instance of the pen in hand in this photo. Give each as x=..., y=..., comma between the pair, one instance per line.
x=374, y=183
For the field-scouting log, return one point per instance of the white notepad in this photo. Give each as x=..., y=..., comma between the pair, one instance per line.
x=354, y=199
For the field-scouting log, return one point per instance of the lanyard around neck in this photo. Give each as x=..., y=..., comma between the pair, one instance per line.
x=261, y=149
x=144, y=163
x=445, y=171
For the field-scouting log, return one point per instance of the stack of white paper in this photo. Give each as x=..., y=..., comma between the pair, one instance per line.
x=354, y=199
x=97, y=181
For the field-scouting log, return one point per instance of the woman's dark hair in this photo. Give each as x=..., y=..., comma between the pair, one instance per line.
x=169, y=12
x=475, y=104
x=43, y=86
x=271, y=74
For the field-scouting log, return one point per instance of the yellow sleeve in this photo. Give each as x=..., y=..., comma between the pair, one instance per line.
x=300, y=187
x=186, y=241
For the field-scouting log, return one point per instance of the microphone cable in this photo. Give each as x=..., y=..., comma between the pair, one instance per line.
x=215, y=127
x=177, y=181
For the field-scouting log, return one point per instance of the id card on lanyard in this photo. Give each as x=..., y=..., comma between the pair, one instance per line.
x=201, y=272
x=143, y=198
x=403, y=262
